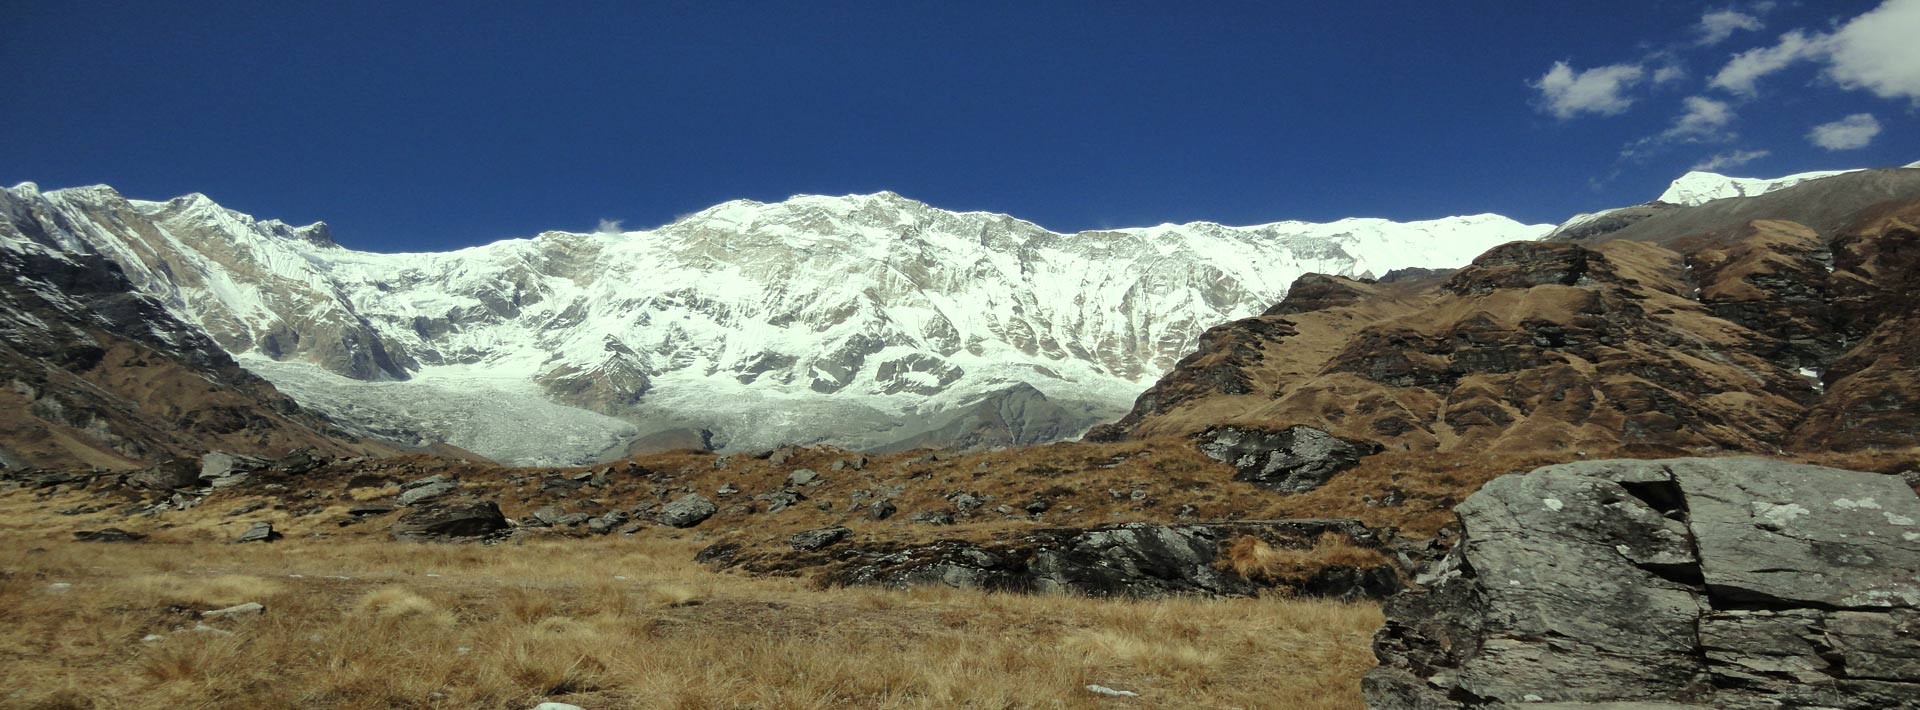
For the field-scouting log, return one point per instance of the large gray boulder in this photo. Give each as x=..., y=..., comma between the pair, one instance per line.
x=1727, y=583
x=689, y=510
x=1292, y=460
x=221, y=469
x=451, y=519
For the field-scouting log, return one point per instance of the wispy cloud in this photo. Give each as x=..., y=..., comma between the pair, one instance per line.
x=1849, y=133
x=1704, y=120
x=608, y=226
x=1715, y=27
x=1744, y=71
x=1566, y=92
x=1668, y=74
x=1731, y=159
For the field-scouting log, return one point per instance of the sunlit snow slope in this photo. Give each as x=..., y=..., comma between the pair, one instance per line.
x=870, y=321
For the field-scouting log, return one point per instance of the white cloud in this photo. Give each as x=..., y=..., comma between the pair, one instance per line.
x=1669, y=74
x=1879, y=51
x=608, y=226
x=1731, y=159
x=1567, y=93
x=1705, y=118
x=1746, y=68
x=1715, y=27
x=1852, y=132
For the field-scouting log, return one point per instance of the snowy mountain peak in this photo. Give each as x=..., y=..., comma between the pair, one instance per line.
x=1699, y=187
x=863, y=320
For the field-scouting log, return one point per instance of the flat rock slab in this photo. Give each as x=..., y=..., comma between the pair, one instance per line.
x=1726, y=582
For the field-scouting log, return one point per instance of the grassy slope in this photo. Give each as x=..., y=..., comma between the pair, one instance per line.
x=617, y=623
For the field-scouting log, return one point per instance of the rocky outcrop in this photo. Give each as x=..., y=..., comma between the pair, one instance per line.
x=1727, y=583
x=1292, y=460
x=1128, y=560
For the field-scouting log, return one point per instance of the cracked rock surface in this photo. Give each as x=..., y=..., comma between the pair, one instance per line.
x=1726, y=583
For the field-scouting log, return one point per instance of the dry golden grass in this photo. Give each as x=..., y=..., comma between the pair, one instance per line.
x=611, y=623
x=1254, y=559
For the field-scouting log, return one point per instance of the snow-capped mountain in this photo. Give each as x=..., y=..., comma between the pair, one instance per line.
x=1689, y=190
x=1699, y=187
x=871, y=321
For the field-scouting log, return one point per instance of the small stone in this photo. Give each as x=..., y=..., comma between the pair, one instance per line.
x=59, y=587
x=781, y=500
x=1111, y=692
x=150, y=638
x=237, y=611
x=817, y=539
x=964, y=502
x=430, y=491
x=557, y=706
x=434, y=479
x=934, y=517
x=781, y=455
x=107, y=535
x=260, y=532
x=205, y=629
x=1037, y=507
x=881, y=510
x=803, y=477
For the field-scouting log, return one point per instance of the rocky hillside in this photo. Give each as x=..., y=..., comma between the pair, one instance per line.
x=97, y=375
x=1784, y=321
x=871, y=321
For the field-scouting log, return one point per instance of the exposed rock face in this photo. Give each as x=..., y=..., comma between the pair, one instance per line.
x=1293, y=460
x=1130, y=560
x=1785, y=321
x=1727, y=583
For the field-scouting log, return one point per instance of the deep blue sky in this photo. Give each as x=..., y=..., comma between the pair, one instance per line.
x=408, y=126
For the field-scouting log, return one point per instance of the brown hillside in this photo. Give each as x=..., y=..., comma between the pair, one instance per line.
x=1725, y=334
